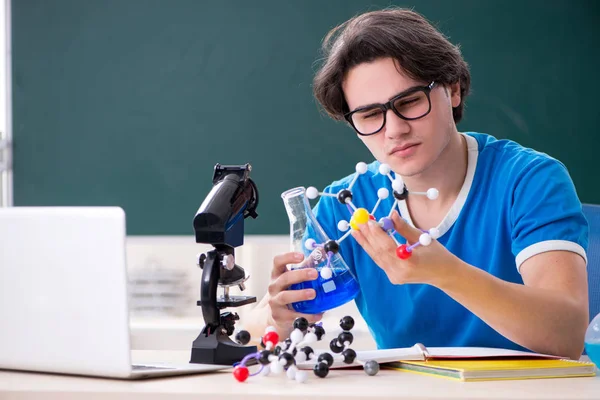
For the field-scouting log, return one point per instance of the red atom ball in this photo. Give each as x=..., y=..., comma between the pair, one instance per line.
x=402, y=252
x=371, y=217
x=241, y=373
x=272, y=337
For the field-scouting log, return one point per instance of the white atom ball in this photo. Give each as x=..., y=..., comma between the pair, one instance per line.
x=398, y=185
x=383, y=193
x=312, y=193
x=425, y=239
x=361, y=167
x=343, y=225
x=301, y=376
x=326, y=273
x=296, y=336
x=310, y=337
x=265, y=370
x=300, y=357
x=291, y=372
x=432, y=194
x=310, y=244
x=275, y=367
x=384, y=169
x=434, y=232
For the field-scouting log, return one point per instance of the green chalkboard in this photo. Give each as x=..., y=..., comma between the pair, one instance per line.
x=132, y=102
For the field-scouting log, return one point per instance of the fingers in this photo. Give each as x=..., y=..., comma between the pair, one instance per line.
x=360, y=237
x=291, y=296
x=408, y=232
x=282, y=314
x=372, y=238
x=282, y=279
x=374, y=231
x=281, y=261
x=285, y=280
x=285, y=317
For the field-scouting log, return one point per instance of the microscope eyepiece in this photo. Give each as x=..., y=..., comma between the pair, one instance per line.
x=233, y=197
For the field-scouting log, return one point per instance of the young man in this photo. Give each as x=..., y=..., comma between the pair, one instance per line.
x=509, y=267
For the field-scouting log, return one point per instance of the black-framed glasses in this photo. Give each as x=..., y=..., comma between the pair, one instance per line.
x=413, y=103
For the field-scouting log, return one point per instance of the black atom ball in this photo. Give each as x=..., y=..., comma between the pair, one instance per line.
x=242, y=337
x=401, y=196
x=289, y=359
x=347, y=323
x=308, y=351
x=332, y=246
x=345, y=337
x=321, y=370
x=328, y=358
x=277, y=350
x=343, y=195
x=349, y=356
x=319, y=331
x=333, y=345
x=263, y=357
x=287, y=342
x=301, y=323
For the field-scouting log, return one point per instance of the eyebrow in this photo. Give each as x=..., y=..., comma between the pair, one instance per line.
x=402, y=93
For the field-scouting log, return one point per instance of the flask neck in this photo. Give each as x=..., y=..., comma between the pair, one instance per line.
x=296, y=203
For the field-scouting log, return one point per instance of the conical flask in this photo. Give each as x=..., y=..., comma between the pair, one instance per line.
x=592, y=340
x=336, y=285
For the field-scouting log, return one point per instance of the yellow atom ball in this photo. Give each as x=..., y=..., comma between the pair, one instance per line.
x=353, y=224
x=361, y=216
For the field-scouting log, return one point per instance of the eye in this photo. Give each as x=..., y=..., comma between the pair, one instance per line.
x=368, y=114
x=371, y=114
x=406, y=102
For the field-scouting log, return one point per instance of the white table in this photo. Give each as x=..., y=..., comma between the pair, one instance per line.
x=339, y=384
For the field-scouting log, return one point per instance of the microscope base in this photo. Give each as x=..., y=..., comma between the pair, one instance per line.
x=218, y=349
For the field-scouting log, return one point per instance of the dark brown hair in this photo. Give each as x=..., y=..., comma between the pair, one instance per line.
x=422, y=52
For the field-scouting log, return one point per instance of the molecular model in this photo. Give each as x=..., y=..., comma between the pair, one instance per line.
x=361, y=216
x=278, y=357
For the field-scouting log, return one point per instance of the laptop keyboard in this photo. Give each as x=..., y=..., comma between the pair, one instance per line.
x=148, y=367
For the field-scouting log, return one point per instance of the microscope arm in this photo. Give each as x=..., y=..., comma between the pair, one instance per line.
x=208, y=291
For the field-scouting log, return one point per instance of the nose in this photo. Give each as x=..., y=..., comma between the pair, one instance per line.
x=395, y=126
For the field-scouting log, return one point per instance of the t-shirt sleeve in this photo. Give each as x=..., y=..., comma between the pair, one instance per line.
x=546, y=214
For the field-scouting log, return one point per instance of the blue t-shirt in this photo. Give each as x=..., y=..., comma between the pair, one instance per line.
x=515, y=203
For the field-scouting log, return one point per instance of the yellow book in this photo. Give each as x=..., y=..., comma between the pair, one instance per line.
x=498, y=369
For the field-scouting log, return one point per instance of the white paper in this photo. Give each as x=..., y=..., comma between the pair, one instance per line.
x=414, y=353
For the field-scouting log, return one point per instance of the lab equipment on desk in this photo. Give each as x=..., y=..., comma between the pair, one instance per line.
x=220, y=222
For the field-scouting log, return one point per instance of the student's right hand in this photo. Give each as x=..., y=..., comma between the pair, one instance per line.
x=281, y=316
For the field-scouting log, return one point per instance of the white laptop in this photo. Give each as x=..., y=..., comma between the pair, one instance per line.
x=63, y=294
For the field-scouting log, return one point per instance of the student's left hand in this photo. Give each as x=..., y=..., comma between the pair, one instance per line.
x=428, y=264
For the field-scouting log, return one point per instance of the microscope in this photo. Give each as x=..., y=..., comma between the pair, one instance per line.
x=220, y=222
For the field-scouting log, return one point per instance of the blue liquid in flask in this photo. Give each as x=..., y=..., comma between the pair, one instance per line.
x=593, y=351
x=592, y=340
x=341, y=286
x=330, y=293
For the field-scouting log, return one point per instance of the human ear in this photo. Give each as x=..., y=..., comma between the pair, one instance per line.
x=455, y=94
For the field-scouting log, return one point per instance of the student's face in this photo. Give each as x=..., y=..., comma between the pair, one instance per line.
x=426, y=138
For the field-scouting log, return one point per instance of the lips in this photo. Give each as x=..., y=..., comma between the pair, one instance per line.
x=402, y=148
